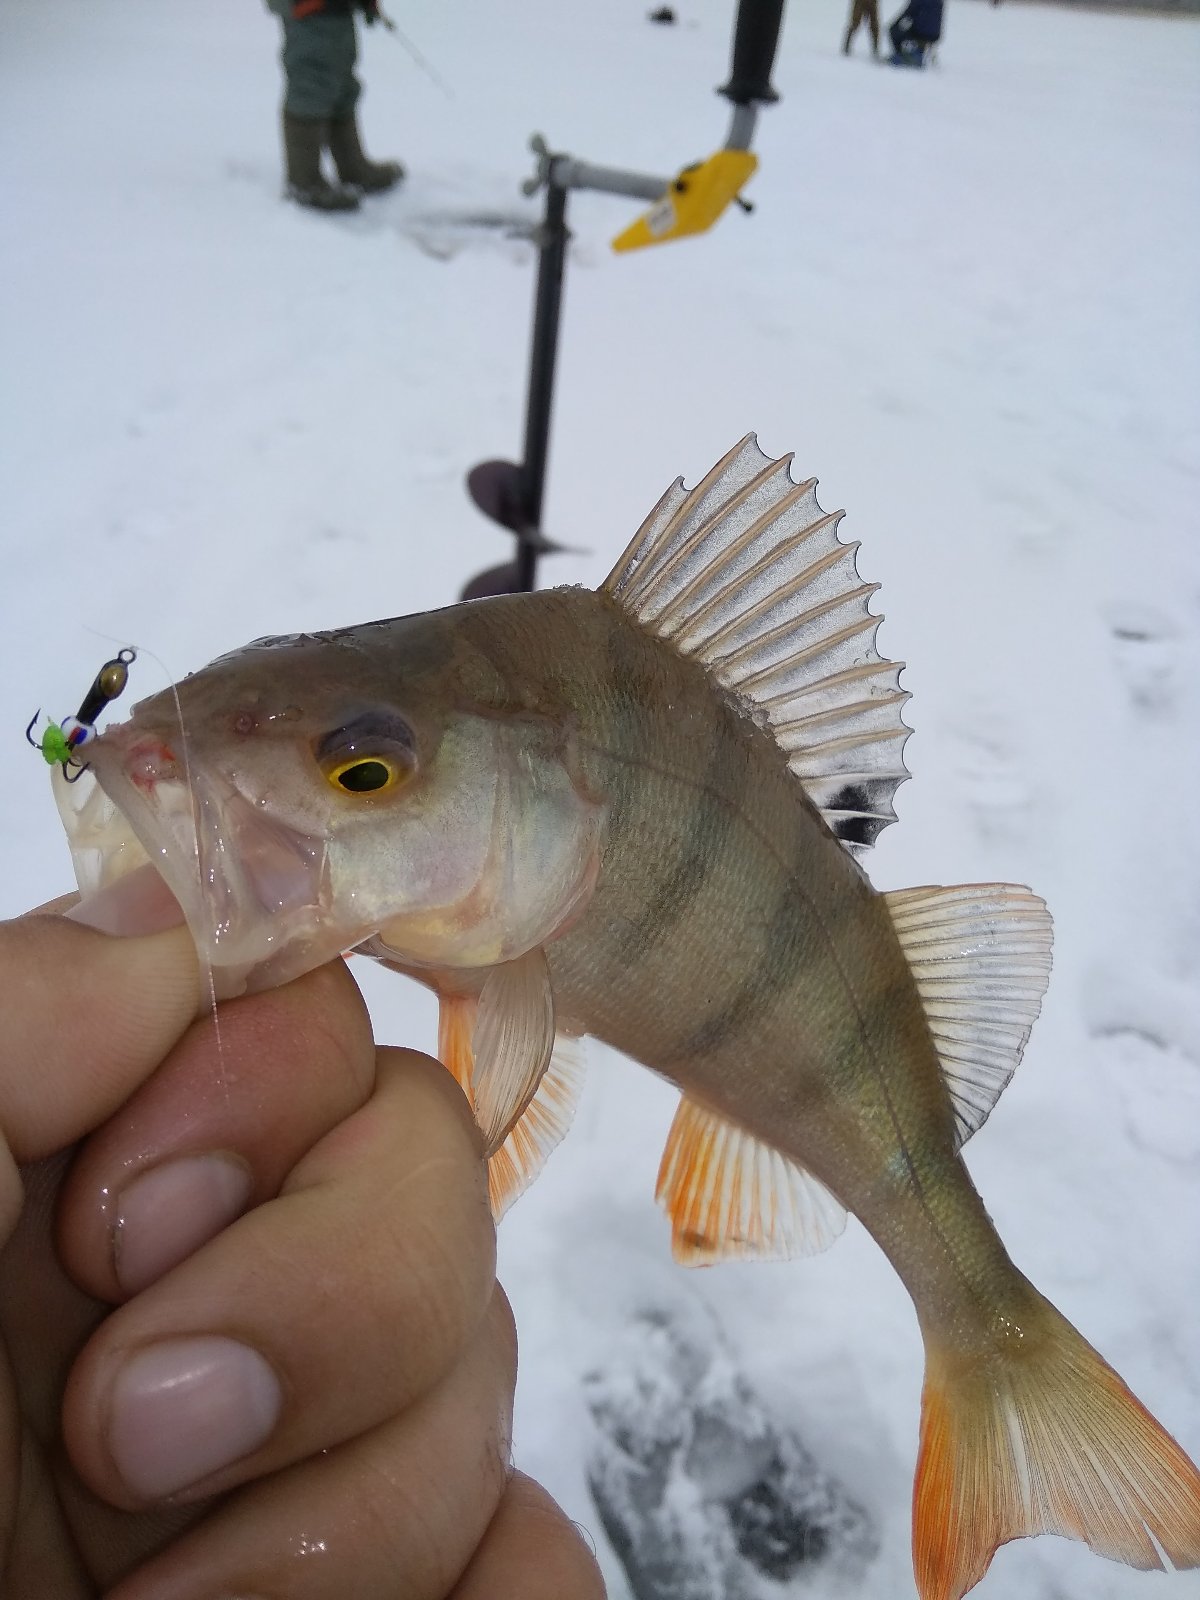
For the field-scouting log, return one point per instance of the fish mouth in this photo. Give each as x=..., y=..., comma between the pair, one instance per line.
x=255, y=891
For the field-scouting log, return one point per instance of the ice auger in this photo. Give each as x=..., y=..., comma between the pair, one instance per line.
x=510, y=492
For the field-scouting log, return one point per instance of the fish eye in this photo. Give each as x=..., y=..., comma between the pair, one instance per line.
x=364, y=777
x=369, y=755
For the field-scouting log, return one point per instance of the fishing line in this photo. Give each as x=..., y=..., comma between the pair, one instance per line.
x=416, y=55
x=223, y=1077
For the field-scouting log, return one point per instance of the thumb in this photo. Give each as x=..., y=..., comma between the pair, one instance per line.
x=85, y=1018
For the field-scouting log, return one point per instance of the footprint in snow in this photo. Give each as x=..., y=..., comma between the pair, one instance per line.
x=1159, y=1093
x=993, y=787
x=446, y=234
x=1145, y=650
x=702, y=1494
x=1149, y=1029
x=1028, y=524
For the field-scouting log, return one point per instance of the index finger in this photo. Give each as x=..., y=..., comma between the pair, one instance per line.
x=86, y=1017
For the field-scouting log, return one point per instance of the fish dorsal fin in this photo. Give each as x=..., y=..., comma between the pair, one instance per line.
x=746, y=573
x=543, y=1118
x=730, y=1196
x=497, y=1042
x=980, y=954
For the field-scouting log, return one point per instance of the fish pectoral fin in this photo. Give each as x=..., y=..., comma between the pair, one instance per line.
x=540, y=1128
x=747, y=574
x=980, y=955
x=730, y=1196
x=497, y=1041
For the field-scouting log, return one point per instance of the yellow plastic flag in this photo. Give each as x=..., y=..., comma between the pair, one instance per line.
x=694, y=201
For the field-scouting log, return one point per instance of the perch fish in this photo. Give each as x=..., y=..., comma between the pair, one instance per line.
x=639, y=813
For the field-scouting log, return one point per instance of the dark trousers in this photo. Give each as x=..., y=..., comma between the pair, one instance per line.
x=319, y=53
x=901, y=34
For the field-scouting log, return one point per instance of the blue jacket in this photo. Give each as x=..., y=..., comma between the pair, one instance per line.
x=925, y=19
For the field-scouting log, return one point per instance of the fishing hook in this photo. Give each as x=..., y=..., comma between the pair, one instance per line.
x=60, y=740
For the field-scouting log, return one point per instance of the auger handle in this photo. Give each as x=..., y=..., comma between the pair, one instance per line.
x=755, y=40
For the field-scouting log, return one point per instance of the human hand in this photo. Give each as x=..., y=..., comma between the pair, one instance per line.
x=305, y=1389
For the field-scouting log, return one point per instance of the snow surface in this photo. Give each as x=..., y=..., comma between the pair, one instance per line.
x=966, y=298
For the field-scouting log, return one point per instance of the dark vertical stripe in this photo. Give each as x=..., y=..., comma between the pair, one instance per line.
x=704, y=835
x=768, y=979
x=630, y=698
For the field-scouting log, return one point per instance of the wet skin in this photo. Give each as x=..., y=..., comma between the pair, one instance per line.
x=280, y=1251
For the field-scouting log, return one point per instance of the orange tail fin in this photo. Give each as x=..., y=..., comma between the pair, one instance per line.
x=1042, y=1436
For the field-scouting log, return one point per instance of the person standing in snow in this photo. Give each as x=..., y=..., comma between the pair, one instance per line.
x=320, y=47
x=917, y=27
x=863, y=11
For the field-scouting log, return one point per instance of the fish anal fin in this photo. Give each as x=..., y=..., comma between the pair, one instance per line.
x=1042, y=1436
x=980, y=955
x=540, y=1128
x=730, y=1196
x=747, y=575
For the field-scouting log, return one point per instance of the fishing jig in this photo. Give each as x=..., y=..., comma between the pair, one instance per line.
x=59, y=741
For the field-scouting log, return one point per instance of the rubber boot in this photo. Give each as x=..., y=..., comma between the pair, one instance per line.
x=304, y=138
x=353, y=166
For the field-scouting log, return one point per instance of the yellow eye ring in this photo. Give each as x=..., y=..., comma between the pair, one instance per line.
x=365, y=775
x=369, y=754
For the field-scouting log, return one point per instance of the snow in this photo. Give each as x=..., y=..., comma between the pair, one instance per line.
x=966, y=298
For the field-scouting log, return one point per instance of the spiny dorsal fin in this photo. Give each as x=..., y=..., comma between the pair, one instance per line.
x=730, y=1196
x=544, y=1119
x=980, y=954
x=747, y=574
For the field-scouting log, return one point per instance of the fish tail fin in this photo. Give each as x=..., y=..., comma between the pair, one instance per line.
x=1040, y=1435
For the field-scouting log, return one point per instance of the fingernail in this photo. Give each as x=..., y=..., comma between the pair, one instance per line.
x=171, y=1210
x=138, y=903
x=183, y=1409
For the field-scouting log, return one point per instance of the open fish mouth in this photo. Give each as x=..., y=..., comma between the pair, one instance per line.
x=255, y=892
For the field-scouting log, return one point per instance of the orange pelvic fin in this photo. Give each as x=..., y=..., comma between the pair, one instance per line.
x=730, y=1196
x=1041, y=1436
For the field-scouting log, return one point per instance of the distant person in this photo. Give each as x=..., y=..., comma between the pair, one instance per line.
x=320, y=47
x=917, y=27
x=863, y=11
